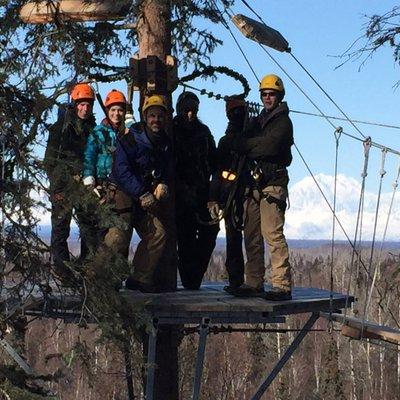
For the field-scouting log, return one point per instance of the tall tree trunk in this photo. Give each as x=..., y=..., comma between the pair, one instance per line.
x=154, y=33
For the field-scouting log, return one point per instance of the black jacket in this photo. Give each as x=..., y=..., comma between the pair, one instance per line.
x=195, y=162
x=227, y=160
x=65, y=148
x=268, y=143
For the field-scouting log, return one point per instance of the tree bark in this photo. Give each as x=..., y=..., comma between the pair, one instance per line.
x=154, y=28
x=154, y=34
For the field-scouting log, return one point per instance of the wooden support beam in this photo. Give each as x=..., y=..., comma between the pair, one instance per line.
x=357, y=329
x=74, y=10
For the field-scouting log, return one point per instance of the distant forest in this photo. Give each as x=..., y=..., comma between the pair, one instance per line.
x=326, y=365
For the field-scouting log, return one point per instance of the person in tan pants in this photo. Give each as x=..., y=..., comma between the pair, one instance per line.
x=141, y=172
x=267, y=148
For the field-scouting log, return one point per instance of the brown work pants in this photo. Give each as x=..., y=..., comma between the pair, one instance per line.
x=119, y=237
x=156, y=244
x=264, y=219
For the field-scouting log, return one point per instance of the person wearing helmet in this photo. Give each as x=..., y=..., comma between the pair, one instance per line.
x=195, y=161
x=99, y=150
x=226, y=191
x=141, y=171
x=267, y=147
x=63, y=162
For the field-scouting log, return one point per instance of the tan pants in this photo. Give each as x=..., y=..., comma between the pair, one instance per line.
x=119, y=237
x=264, y=219
x=151, y=230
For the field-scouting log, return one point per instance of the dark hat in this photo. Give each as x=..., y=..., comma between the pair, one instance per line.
x=187, y=95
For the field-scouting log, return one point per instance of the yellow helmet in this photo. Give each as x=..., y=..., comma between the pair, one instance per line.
x=154, y=100
x=272, y=82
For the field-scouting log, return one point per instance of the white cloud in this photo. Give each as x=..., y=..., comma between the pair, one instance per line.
x=309, y=217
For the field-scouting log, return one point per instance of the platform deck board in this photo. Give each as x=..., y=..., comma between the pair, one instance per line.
x=211, y=301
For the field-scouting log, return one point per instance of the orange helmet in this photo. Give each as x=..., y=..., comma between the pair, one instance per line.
x=82, y=91
x=115, y=97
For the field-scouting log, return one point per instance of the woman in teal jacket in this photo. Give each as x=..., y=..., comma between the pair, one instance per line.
x=101, y=143
x=98, y=156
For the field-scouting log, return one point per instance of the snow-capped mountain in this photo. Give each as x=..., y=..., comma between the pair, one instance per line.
x=309, y=216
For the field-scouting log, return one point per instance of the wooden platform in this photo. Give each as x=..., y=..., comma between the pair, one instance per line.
x=211, y=301
x=191, y=306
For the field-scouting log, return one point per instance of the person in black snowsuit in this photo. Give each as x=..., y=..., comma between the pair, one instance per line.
x=195, y=162
x=63, y=163
x=226, y=192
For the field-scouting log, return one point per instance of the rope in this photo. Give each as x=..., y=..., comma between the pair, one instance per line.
x=364, y=173
x=347, y=134
x=395, y=185
x=369, y=291
x=337, y=134
x=343, y=230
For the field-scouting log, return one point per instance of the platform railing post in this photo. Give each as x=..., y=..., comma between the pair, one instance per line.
x=151, y=361
x=286, y=356
x=203, y=329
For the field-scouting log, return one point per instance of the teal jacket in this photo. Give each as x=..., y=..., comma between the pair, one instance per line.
x=99, y=151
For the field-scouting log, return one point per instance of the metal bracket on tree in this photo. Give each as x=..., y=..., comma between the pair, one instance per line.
x=153, y=75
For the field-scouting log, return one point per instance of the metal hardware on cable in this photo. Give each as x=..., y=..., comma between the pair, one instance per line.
x=260, y=33
x=368, y=296
x=210, y=71
x=337, y=134
x=367, y=148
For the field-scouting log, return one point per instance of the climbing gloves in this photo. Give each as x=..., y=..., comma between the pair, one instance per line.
x=98, y=190
x=147, y=200
x=214, y=210
x=161, y=191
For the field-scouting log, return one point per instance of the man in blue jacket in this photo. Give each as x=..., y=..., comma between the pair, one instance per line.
x=140, y=170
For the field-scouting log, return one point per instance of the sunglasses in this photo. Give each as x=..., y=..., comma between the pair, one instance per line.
x=269, y=94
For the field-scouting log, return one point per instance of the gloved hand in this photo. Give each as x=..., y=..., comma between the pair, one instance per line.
x=77, y=178
x=161, y=191
x=214, y=210
x=147, y=200
x=89, y=181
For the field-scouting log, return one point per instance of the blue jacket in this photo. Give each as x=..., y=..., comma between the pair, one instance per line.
x=141, y=163
x=99, y=151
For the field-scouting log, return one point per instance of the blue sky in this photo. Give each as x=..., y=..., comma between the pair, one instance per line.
x=317, y=32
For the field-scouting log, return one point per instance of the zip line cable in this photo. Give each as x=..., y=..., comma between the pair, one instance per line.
x=377, y=269
x=226, y=25
x=384, y=148
x=322, y=114
x=330, y=122
x=344, y=119
x=327, y=95
x=308, y=73
x=342, y=227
